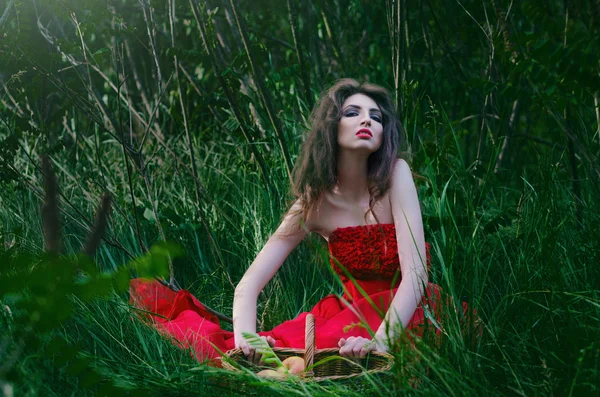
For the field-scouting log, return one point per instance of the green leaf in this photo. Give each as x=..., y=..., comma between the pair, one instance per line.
x=149, y=214
x=263, y=348
x=156, y=262
x=101, y=51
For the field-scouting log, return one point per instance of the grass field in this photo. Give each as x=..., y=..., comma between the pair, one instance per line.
x=520, y=255
x=188, y=120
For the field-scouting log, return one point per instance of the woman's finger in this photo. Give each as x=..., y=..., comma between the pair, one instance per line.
x=363, y=352
x=350, y=345
x=346, y=349
x=360, y=343
x=367, y=347
x=357, y=348
x=245, y=349
x=251, y=353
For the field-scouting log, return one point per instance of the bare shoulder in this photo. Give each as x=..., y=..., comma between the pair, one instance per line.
x=401, y=173
x=314, y=217
x=293, y=226
x=319, y=215
x=403, y=192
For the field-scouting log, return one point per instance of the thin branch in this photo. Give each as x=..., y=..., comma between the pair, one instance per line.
x=396, y=15
x=152, y=116
x=151, y=31
x=277, y=40
x=212, y=109
x=155, y=212
x=141, y=89
x=448, y=51
x=91, y=89
x=263, y=92
x=488, y=35
x=542, y=141
x=6, y=12
x=511, y=128
x=333, y=40
x=577, y=144
x=237, y=113
x=142, y=168
x=488, y=97
x=299, y=53
x=188, y=135
x=138, y=232
x=597, y=108
x=315, y=48
x=45, y=33
x=494, y=116
x=216, y=250
x=52, y=240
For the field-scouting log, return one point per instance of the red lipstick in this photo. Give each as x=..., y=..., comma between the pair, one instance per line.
x=364, y=133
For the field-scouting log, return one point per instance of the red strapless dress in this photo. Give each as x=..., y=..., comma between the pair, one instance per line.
x=369, y=253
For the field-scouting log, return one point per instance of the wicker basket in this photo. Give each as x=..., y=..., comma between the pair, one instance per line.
x=331, y=369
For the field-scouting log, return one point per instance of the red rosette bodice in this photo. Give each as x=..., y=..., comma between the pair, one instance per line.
x=367, y=252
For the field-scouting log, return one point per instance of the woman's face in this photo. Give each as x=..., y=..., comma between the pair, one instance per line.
x=360, y=127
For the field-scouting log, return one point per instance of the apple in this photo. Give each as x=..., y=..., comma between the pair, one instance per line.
x=294, y=365
x=269, y=373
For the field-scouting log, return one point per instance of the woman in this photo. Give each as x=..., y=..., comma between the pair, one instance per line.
x=353, y=190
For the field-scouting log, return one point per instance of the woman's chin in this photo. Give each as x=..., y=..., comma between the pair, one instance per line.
x=364, y=149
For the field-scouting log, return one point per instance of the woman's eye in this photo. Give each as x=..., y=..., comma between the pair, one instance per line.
x=374, y=117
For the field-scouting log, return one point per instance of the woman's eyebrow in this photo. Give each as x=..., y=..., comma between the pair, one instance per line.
x=358, y=107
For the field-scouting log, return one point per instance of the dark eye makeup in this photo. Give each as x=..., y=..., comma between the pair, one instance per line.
x=375, y=116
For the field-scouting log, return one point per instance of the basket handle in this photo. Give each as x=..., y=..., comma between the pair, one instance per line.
x=309, y=343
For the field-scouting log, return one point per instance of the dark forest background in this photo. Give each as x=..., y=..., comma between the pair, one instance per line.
x=156, y=137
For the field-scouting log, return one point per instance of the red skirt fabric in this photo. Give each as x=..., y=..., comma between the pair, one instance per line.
x=183, y=317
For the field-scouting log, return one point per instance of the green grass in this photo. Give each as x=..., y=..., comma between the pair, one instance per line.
x=521, y=243
x=515, y=250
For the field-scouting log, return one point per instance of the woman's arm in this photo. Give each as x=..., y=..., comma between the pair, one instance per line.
x=287, y=236
x=411, y=250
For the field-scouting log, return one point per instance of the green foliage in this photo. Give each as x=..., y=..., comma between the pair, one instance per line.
x=40, y=295
x=499, y=104
x=262, y=347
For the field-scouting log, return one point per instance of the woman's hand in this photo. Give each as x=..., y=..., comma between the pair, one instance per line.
x=359, y=346
x=250, y=352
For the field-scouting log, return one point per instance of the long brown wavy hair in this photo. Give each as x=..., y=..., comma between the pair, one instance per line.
x=315, y=171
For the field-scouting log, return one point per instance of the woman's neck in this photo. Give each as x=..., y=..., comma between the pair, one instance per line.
x=352, y=176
